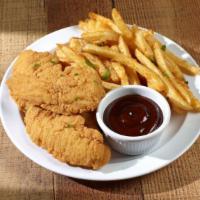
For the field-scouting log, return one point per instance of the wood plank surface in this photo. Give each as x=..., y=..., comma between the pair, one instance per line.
x=22, y=22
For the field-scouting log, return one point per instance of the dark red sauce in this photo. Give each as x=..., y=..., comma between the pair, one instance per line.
x=133, y=115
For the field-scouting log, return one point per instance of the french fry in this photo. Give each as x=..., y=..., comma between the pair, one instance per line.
x=134, y=28
x=174, y=68
x=98, y=65
x=125, y=31
x=194, y=101
x=148, y=63
x=169, y=91
x=142, y=45
x=61, y=55
x=196, y=104
x=113, y=74
x=101, y=26
x=120, y=72
x=151, y=40
x=91, y=25
x=115, y=48
x=100, y=37
x=108, y=46
x=166, y=72
x=87, y=25
x=70, y=55
x=178, y=110
x=184, y=65
x=123, y=47
x=110, y=86
x=153, y=79
x=104, y=20
x=76, y=44
x=132, y=75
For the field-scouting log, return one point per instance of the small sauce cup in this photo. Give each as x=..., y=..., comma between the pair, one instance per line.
x=133, y=145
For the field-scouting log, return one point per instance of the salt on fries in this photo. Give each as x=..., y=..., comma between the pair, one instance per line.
x=124, y=55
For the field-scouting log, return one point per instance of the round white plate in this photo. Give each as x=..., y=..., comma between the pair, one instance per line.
x=177, y=138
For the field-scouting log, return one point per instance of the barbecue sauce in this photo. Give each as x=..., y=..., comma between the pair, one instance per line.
x=133, y=115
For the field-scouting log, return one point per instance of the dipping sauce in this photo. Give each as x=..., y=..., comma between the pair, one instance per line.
x=133, y=115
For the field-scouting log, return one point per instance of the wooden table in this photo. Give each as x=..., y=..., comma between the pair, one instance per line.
x=22, y=22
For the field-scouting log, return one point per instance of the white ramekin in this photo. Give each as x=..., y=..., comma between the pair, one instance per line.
x=133, y=145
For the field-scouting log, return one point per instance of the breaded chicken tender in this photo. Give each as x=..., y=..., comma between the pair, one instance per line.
x=38, y=79
x=66, y=138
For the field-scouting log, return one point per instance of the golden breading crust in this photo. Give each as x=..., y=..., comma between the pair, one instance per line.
x=38, y=79
x=66, y=138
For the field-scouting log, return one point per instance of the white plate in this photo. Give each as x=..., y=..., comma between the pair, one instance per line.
x=177, y=138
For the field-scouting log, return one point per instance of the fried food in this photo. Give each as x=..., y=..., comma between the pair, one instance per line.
x=76, y=44
x=105, y=21
x=67, y=55
x=165, y=70
x=97, y=64
x=184, y=66
x=126, y=32
x=113, y=74
x=174, y=68
x=153, y=80
x=120, y=71
x=110, y=86
x=132, y=75
x=143, y=59
x=123, y=47
x=142, y=45
x=66, y=138
x=173, y=95
x=101, y=37
x=92, y=25
x=38, y=80
x=58, y=94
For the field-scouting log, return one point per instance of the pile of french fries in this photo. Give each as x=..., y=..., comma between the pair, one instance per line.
x=125, y=55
